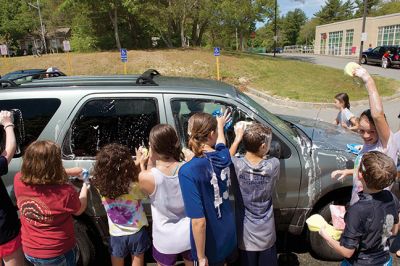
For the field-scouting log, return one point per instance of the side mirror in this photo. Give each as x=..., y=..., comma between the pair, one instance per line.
x=275, y=149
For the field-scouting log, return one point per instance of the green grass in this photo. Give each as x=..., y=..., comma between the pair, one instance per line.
x=285, y=78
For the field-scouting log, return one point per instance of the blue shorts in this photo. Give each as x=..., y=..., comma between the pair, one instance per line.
x=346, y=263
x=135, y=244
x=68, y=259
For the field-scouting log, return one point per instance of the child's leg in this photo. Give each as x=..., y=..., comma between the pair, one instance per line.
x=187, y=258
x=268, y=257
x=14, y=259
x=117, y=261
x=248, y=257
x=138, y=260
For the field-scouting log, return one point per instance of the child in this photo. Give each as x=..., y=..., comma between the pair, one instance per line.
x=10, y=236
x=345, y=118
x=256, y=178
x=204, y=186
x=47, y=202
x=115, y=177
x=373, y=219
x=171, y=226
x=373, y=129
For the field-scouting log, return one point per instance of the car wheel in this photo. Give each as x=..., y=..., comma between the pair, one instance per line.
x=385, y=63
x=363, y=60
x=87, y=249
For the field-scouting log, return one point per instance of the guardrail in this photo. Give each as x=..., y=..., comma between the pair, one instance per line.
x=299, y=49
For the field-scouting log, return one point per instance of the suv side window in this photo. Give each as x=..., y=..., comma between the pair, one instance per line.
x=30, y=118
x=183, y=109
x=127, y=121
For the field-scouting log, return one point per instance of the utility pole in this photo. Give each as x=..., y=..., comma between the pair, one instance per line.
x=42, y=29
x=363, y=31
x=275, y=36
x=237, y=44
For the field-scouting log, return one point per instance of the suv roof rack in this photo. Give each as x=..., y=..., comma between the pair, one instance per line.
x=147, y=77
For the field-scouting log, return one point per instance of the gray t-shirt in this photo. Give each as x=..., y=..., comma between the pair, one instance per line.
x=344, y=117
x=254, y=210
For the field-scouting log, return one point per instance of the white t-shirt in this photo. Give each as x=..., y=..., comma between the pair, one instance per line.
x=397, y=140
x=171, y=226
x=344, y=116
x=390, y=150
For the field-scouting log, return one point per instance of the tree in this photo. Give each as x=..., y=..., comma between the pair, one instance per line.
x=307, y=32
x=371, y=4
x=387, y=7
x=292, y=23
x=334, y=11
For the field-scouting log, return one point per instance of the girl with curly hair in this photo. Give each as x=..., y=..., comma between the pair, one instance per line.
x=160, y=181
x=47, y=202
x=115, y=177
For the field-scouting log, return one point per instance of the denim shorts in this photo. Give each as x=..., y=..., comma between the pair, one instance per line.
x=346, y=263
x=67, y=259
x=135, y=244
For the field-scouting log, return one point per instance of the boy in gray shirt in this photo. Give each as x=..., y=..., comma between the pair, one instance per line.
x=254, y=185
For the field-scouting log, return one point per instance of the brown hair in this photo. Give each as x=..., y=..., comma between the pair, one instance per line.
x=255, y=135
x=201, y=126
x=42, y=164
x=114, y=171
x=164, y=141
x=378, y=170
x=343, y=98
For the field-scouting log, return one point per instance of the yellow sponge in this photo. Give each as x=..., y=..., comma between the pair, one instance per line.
x=316, y=222
x=350, y=67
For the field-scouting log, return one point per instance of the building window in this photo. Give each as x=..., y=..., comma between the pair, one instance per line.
x=335, y=43
x=323, y=43
x=349, y=42
x=389, y=35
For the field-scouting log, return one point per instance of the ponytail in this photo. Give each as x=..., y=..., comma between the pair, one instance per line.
x=201, y=125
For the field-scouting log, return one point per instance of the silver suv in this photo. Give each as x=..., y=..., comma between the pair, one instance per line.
x=84, y=113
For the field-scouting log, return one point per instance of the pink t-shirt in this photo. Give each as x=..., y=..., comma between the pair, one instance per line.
x=46, y=217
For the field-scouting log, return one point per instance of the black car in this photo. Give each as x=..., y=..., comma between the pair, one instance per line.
x=386, y=56
x=26, y=75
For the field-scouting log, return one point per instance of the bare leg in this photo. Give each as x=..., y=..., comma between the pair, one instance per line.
x=117, y=261
x=15, y=259
x=138, y=260
x=188, y=262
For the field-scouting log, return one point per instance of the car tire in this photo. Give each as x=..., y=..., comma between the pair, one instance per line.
x=385, y=63
x=363, y=60
x=87, y=251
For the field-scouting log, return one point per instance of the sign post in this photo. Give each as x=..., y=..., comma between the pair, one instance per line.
x=217, y=53
x=4, y=53
x=67, y=49
x=124, y=58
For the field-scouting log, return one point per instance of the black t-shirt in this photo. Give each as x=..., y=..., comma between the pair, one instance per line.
x=369, y=224
x=9, y=222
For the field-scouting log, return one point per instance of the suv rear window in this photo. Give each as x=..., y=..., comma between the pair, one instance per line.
x=30, y=118
x=103, y=121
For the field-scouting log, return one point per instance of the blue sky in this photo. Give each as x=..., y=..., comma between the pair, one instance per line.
x=308, y=6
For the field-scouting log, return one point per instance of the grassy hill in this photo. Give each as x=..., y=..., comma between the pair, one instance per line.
x=277, y=76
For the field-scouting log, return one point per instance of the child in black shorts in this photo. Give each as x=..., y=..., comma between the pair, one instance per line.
x=373, y=219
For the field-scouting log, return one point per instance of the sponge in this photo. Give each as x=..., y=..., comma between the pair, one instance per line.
x=316, y=222
x=350, y=67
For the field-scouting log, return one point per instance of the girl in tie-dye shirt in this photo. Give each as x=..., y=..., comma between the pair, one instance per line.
x=116, y=179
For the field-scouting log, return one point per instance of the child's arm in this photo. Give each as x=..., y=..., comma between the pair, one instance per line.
x=74, y=171
x=354, y=122
x=238, y=138
x=83, y=199
x=221, y=121
x=341, y=173
x=375, y=103
x=343, y=251
x=11, y=144
x=199, y=235
x=146, y=182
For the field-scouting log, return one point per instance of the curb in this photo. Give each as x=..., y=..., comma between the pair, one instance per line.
x=288, y=102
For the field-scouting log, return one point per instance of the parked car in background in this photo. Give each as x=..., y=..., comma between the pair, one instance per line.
x=386, y=56
x=27, y=75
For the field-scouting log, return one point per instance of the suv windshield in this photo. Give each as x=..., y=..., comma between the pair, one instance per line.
x=282, y=125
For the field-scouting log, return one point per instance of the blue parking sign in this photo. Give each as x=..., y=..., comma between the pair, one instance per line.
x=124, y=55
x=217, y=51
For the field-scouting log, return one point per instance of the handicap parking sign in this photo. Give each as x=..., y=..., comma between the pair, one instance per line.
x=124, y=55
x=217, y=51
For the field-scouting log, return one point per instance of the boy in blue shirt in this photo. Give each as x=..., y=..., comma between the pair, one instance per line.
x=372, y=220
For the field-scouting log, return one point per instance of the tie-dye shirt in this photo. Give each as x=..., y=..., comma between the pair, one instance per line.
x=125, y=214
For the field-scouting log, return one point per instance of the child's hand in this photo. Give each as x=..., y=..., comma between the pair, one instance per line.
x=322, y=232
x=362, y=73
x=225, y=118
x=340, y=173
x=5, y=118
x=239, y=132
x=74, y=171
x=344, y=125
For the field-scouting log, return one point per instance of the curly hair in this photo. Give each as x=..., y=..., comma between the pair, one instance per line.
x=114, y=171
x=42, y=164
x=164, y=141
x=201, y=125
